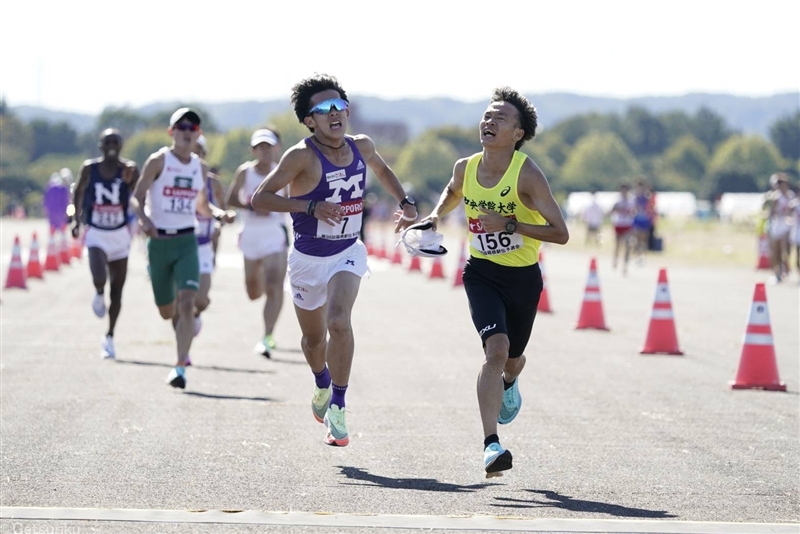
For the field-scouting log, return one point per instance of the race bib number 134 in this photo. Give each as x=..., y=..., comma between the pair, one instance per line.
x=179, y=200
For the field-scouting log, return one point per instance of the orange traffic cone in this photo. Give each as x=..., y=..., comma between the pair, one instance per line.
x=16, y=271
x=77, y=247
x=757, y=366
x=415, y=264
x=53, y=261
x=397, y=259
x=34, y=268
x=592, y=308
x=458, y=279
x=544, y=299
x=436, y=269
x=64, y=252
x=764, y=260
x=380, y=251
x=661, y=336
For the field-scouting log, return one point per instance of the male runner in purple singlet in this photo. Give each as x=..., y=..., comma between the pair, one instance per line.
x=325, y=173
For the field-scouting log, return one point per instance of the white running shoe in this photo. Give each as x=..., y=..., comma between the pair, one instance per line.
x=496, y=459
x=99, y=305
x=108, y=348
x=198, y=325
x=263, y=347
x=177, y=378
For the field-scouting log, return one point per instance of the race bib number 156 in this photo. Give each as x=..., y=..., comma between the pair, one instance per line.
x=490, y=243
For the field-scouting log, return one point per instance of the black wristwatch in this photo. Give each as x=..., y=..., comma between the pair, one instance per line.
x=407, y=200
x=511, y=226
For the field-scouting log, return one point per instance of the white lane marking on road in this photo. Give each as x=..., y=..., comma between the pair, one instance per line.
x=325, y=519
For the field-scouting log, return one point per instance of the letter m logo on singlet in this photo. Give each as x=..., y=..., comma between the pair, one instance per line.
x=351, y=183
x=112, y=195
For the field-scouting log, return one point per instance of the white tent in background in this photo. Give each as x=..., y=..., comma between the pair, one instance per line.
x=580, y=200
x=676, y=204
x=668, y=204
x=735, y=207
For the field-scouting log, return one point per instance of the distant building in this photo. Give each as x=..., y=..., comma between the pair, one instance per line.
x=382, y=132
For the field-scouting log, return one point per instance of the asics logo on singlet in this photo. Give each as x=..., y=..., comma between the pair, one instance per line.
x=112, y=195
x=505, y=191
x=487, y=328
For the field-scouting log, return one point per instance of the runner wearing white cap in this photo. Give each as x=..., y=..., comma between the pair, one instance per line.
x=170, y=191
x=263, y=238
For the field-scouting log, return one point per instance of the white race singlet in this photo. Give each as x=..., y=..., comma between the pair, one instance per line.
x=172, y=198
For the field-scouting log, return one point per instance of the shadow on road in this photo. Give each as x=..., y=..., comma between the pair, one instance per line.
x=227, y=397
x=564, y=502
x=420, y=484
x=287, y=360
x=202, y=367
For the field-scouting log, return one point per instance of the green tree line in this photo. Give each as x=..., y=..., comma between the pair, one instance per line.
x=673, y=151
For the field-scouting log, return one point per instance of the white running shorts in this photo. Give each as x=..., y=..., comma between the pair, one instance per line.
x=309, y=275
x=258, y=241
x=205, y=253
x=796, y=233
x=778, y=227
x=115, y=243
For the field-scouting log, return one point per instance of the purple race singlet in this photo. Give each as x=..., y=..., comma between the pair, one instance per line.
x=55, y=200
x=205, y=225
x=339, y=185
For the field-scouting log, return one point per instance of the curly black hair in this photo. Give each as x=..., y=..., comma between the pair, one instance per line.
x=305, y=89
x=527, y=112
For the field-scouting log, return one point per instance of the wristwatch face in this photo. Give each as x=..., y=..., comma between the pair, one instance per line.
x=408, y=200
x=511, y=226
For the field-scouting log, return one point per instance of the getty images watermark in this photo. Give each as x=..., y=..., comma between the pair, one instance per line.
x=9, y=527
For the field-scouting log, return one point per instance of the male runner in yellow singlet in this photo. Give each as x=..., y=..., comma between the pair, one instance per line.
x=510, y=211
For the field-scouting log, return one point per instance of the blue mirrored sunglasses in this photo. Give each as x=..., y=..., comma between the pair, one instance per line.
x=325, y=106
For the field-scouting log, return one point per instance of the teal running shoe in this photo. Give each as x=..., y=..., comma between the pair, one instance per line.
x=337, y=429
x=320, y=402
x=512, y=402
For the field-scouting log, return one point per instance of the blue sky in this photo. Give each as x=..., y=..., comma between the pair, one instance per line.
x=83, y=55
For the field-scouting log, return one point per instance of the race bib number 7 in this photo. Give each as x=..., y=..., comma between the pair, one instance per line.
x=490, y=243
x=349, y=227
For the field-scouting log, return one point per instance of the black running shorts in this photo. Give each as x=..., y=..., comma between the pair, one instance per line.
x=503, y=300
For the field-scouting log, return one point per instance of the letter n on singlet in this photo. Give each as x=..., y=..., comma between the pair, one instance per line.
x=100, y=192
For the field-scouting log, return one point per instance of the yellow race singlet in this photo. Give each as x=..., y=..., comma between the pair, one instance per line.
x=513, y=250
